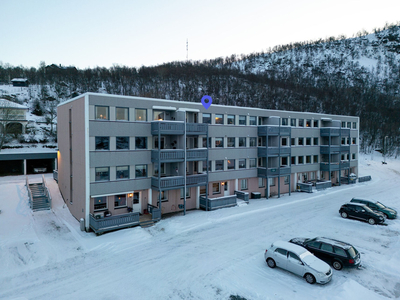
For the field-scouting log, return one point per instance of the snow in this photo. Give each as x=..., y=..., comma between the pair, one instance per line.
x=203, y=255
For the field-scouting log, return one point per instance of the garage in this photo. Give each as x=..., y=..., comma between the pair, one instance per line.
x=27, y=163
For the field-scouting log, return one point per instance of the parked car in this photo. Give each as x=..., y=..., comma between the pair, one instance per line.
x=334, y=252
x=299, y=261
x=390, y=213
x=361, y=212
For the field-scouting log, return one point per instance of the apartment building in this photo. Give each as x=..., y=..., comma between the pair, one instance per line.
x=123, y=158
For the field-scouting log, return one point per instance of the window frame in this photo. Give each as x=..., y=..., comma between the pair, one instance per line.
x=217, y=117
x=127, y=113
x=97, y=170
x=230, y=164
x=241, y=121
x=96, y=114
x=102, y=208
x=218, y=163
x=241, y=139
x=229, y=118
x=145, y=168
x=137, y=116
x=116, y=172
x=96, y=143
x=136, y=143
x=117, y=143
x=120, y=206
x=206, y=118
x=243, y=184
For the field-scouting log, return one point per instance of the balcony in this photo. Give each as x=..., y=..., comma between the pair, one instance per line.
x=262, y=172
x=326, y=149
x=114, y=222
x=196, y=154
x=274, y=151
x=216, y=203
x=177, y=182
x=196, y=129
x=196, y=179
x=330, y=131
x=167, y=128
x=334, y=166
x=168, y=155
x=273, y=130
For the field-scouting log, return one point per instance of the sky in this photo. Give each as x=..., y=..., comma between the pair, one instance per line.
x=136, y=33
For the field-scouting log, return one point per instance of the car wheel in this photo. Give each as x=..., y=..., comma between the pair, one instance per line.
x=344, y=215
x=271, y=262
x=371, y=221
x=337, y=265
x=386, y=216
x=310, y=278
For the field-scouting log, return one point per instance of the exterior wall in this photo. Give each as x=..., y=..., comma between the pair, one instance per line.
x=174, y=199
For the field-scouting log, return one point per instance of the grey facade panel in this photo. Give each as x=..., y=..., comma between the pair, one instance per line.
x=231, y=153
x=119, y=158
x=305, y=132
x=232, y=131
x=119, y=128
x=305, y=168
x=121, y=186
x=305, y=150
x=234, y=174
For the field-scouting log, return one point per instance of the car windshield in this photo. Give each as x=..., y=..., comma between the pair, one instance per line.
x=367, y=208
x=380, y=205
x=352, y=252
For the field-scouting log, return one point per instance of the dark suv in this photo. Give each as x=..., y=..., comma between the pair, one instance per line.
x=361, y=212
x=390, y=213
x=335, y=252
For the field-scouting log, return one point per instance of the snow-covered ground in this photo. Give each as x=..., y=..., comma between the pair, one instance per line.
x=203, y=255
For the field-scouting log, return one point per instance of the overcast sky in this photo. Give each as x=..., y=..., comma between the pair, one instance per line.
x=90, y=33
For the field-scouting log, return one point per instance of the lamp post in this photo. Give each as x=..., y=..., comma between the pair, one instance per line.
x=384, y=149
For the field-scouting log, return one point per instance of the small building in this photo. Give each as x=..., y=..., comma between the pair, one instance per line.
x=12, y=116
x=23, y=82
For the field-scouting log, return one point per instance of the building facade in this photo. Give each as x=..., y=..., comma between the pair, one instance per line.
x=120, y=154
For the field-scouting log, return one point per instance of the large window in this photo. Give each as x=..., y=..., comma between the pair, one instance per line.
x=219, y=119
x=219, y=142
x=242, y=163
x=242, y=142
x=293, y=122
x=102, y=174
x=308, y=141
x=122, y=142
x=243, y=184
x=301, y=141
x=187, y=193
x=261, y=182
x=100, y=203
x=253, y=142
x=140, y=171
x=301, y=160
x=287, y=179
x=216, y=188
x=231, y=120
x=315, y=141
x=141, y=142
x=354, y=125
x=102, y=143
x=219, y=165
x=308, y=123
x=293, y=162
x=207, y=118
x=242, y=120
x=158, y=115
x=120, y=201
x=308, y=159
x=315, y=159
x=121, y=114
x=205, y=142
x=102, y=113
x=122, y=172
x=205, y=166
x=231, y=164
x=316, y=123
x=301, y=122
x=231, y=142
x=252, y=162
x=285, y=121
x=141, y=114
x=252, y=121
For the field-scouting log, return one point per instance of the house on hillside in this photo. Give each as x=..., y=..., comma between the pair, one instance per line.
x=12, y=117
x=121, y=158
x=23, y=82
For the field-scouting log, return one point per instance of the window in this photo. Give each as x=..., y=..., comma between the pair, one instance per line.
x=243, y=184
x=301, y=141
x=203, y=190
x=231, y=164
x=301, y=160
x=156, y=143
x=136, y=196
x=219, y=165
x=253, y=142
x=205, y=166
x=187, y=193
x=162, y=169
x=343, y=124
x=252, y=162
x=252, y=121
x=287, y=179
x=120, y=201
x=231, y=120
x=122, y=172
x=301, y=122
x=284, y=141
x=262, y=141
x=285, y=121
x=102, y=112
x=339, y=251
x=271, y=181
x=348, y=124
x=326, y=247
x=354, y=141
x=242, y=120
x=353, y=156
x=140, y=171
x=207, y=118
x=242, y=163
x=121, y=114
x=343, y=141
x=315, y=159
x=293, y=141
x=219, y=119
x=281, y=251
x=231, y=142
x=354, y=125
x=102, y=174
x=141, y=142
x=316, y=123
x=242, y=142
x=293, y=122
x=261, y=182
x=164, y=196
x=219, y=142
x=314, y=244
x=158, y=115
x=294, y=257
x=122, y=143
x=308, y=159
x=293, y=160
x=100, y=203
x=102, y=143
x=308, y=123
x=305, y=177
x=308, y=141
x=284, y=161
x=216, y=188
x=262, y=161
x=141, y=115
x=315, y=141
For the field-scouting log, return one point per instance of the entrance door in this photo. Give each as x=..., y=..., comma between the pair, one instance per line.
x=136, y=202
x=226, y=189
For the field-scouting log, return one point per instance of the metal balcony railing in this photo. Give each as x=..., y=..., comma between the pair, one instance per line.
x=167, y=127
x=273, y=130
x=168, y=155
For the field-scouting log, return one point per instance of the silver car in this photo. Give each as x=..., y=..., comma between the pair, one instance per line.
x=299, y=261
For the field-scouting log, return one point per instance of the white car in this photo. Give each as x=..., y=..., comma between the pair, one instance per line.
x=299, y=261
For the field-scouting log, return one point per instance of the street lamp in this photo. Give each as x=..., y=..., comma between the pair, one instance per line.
x=384, y=149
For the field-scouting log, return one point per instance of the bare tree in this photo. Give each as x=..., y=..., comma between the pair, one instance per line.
x=7, y=116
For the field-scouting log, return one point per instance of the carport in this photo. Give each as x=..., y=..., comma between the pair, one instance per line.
x=27, y=163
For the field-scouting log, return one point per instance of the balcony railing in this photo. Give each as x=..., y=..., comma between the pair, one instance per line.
x=216, y=203
x=167, y=127
x=197, y=179
x=326, y=149
x=196, y=128
x=196, y=154
x=334, y=166
x=273, y=151
x=330, y=131
x=177, y=182
x=264, y=172
x=168, y=155
x=113, y=222
x=273, y=130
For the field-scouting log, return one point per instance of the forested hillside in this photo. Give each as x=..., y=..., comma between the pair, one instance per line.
x=357, y=76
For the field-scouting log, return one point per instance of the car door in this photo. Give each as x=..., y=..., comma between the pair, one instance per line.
x=359, y=213
x=351, y=211
x=326, y=252
x=313, y=247
x=294, y=264
x=280, y=257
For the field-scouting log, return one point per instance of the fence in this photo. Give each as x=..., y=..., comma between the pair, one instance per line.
x=304, y=187
x=216, y=203
x=242, y=195
x=364, y=178
x=113, y=222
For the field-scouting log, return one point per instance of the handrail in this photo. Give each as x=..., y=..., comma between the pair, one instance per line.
x=46, y=190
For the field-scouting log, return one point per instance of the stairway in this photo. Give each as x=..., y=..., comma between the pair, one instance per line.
x=39, y=199
x=146, y=224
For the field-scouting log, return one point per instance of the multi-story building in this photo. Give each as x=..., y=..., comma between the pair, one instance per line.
x=128, y=156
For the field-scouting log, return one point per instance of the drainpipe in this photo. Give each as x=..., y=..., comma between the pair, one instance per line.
x=279, y=160
x=184, y=168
